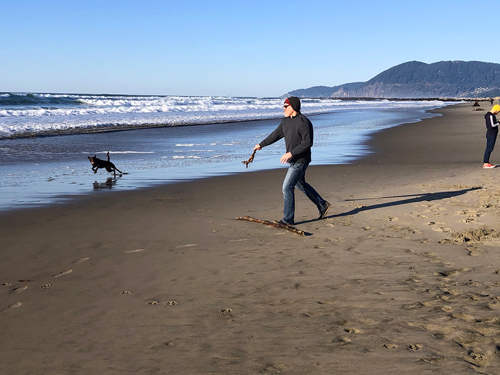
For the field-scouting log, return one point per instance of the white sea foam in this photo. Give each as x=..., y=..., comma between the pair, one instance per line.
x=121, y=152
x=36, y=113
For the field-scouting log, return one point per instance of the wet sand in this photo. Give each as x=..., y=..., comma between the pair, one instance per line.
x=403, y=276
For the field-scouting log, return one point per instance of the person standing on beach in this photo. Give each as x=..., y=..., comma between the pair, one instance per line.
x=491, y=134
x=298, y=133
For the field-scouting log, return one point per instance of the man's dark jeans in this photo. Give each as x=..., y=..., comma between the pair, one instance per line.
x=296, y=176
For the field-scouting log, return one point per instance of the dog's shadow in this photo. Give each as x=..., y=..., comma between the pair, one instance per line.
x=108, y=184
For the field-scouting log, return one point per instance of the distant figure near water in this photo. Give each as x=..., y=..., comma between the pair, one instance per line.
x=298, y=133
x=491, y=134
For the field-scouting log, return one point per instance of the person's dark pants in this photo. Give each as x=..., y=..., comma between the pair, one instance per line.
x=296, y=176
x=490, y=145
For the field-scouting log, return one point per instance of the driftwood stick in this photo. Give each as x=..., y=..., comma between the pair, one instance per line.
x=246, y=162
x=273, y=224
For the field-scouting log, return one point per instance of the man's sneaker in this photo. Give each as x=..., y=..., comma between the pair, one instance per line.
x=283, y=222
x=324, y=211
x=488, y=165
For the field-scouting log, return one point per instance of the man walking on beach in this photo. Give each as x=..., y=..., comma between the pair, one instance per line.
x=298, y=133
x=491, y=134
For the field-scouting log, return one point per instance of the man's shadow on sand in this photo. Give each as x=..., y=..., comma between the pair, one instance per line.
x=415, y=198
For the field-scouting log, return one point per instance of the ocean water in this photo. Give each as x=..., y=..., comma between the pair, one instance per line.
x=45, y=139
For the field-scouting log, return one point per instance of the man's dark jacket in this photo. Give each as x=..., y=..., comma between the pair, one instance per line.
x=298, y=134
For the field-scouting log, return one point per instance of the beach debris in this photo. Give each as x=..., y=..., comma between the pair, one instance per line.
x=247, y=162
x=81, y=260
x=273, y=224
x=13, y=306
x=477, y=107
x=20, y=289
x=134, y=251
x=63, y=273
x=187, y=245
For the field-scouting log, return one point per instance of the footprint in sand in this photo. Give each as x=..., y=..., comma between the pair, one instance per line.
x=448, y=273
x=473, y=251
x=472, y=283
x=414, y=347
x=433, y=257
x=475, y=297
x=226, y=312
x=153, y=302
x=390, y=346
x=325, y=302
x=441, y=229
x=446, y=309
x=45, y=286
x=477, y=357
x=171, y=303
x=188, y=245
x=20, y=289
x=353, y=330
x=6, y=284
x=63, y=273
x=273, y=369
x=13, y=306
x=464, y=317
x=126, y=292
x=434, y=359
x=493, y=306
x=343, y=339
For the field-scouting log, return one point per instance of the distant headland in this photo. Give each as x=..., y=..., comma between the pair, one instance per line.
x=418, y=80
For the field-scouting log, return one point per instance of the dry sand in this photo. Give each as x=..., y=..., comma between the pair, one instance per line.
x=403, y=276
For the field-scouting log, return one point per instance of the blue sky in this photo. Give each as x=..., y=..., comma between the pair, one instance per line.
x=229, y=48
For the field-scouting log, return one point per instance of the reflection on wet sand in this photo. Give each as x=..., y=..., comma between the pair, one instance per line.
x=108, y=184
